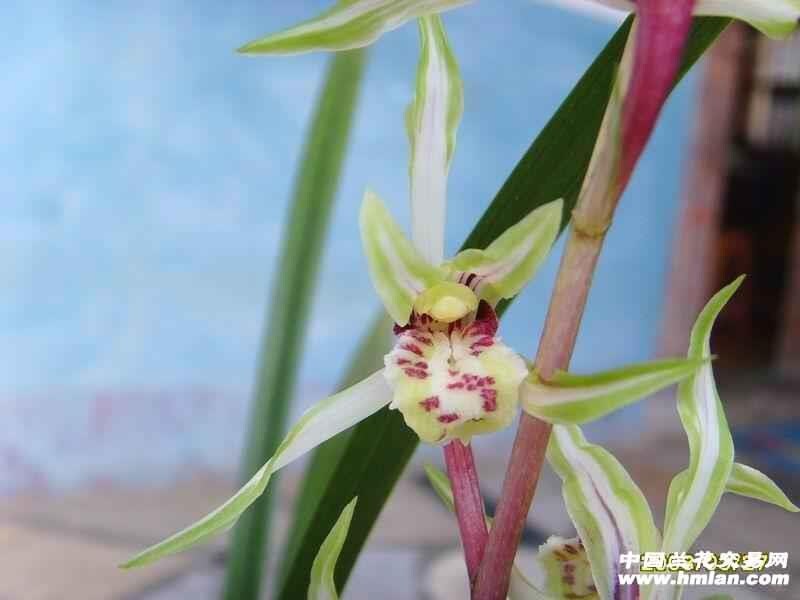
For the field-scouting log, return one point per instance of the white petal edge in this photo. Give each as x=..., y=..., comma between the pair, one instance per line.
x=321, y=422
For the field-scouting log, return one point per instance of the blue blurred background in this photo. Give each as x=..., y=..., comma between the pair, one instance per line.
x=146, y=176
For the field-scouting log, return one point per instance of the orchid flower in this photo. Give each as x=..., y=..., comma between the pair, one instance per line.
x=449, y=373
x=609, y=511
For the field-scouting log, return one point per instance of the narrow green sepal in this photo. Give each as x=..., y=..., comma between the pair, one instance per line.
x=399, y=273
x=570, y=399
x=347, y=25
x=695, y=493
x=752, y=483
x=320, y=423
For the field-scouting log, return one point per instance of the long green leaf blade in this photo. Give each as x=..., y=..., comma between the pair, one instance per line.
x=322, y=586
x=370, y=461
x=293, y=289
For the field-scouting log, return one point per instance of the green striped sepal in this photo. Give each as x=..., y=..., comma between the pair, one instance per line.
x=347, y=24
x=320, y=423
x=569, y=399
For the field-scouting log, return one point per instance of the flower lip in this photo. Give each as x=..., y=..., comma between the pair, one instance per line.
x=454, y=380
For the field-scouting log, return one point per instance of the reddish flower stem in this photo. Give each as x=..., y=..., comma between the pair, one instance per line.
x=527, y=456
x=663, y=26
x=468, y=502
x=662, y=32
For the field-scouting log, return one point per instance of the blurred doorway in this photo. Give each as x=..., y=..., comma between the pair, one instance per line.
x=740, y=210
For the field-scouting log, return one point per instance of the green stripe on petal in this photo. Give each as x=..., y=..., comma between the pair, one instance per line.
x=398, y=272
x=695, y=493
x=752, y=483
x=775, y=18
x=346, y=25
x=432, y=120
x=574, y=399
x=512, y=259
x=322, y=585
x=608, y=509
x=320, y=423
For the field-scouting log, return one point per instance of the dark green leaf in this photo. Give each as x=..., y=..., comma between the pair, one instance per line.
x=285, y=323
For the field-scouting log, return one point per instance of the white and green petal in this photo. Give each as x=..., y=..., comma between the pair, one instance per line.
x=321, y=422
x=609, y=511
x=505, y=267
x=348, y=24
x=322, y=585
x=775, y=18
x=752, y=483
x=570, y=399
x=399, y=273
x=454, y=382
x=561, y=570
x=432, y=120
x=695, y=493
